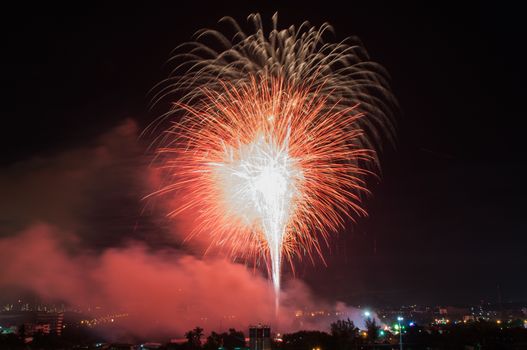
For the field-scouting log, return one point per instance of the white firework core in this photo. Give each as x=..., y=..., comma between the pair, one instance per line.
x=260, y=184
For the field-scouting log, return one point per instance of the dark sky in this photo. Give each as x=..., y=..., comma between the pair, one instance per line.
x=447, y=219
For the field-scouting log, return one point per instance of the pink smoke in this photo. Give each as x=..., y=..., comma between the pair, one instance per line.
x=163, y=291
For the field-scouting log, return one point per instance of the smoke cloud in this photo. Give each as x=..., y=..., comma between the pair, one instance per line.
x=162, y=291
x=71, y=234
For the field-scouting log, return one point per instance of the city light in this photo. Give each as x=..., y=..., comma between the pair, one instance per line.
x=399, y=319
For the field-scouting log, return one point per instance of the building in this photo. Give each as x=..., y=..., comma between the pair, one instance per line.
x=49, y=322
x=260, y=337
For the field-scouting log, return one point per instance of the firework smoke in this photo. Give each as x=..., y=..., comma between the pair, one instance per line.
x=272, y=137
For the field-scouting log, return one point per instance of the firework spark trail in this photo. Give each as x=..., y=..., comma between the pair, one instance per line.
x=272, y=138
x=264, y=177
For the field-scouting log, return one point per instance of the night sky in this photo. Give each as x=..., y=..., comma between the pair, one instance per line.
x=446, y=221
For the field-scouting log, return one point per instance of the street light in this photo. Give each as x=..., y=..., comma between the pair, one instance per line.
x=367, y=313
x=399, y=319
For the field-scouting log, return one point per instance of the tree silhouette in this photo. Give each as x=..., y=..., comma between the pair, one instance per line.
x=307, y=340
x=194, y=338
x=346, y=334
x=214, y=341
x=233, y=339
x=373, y=329
x=228, y=340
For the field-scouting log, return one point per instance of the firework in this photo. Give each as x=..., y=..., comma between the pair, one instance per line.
x=272, y=138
